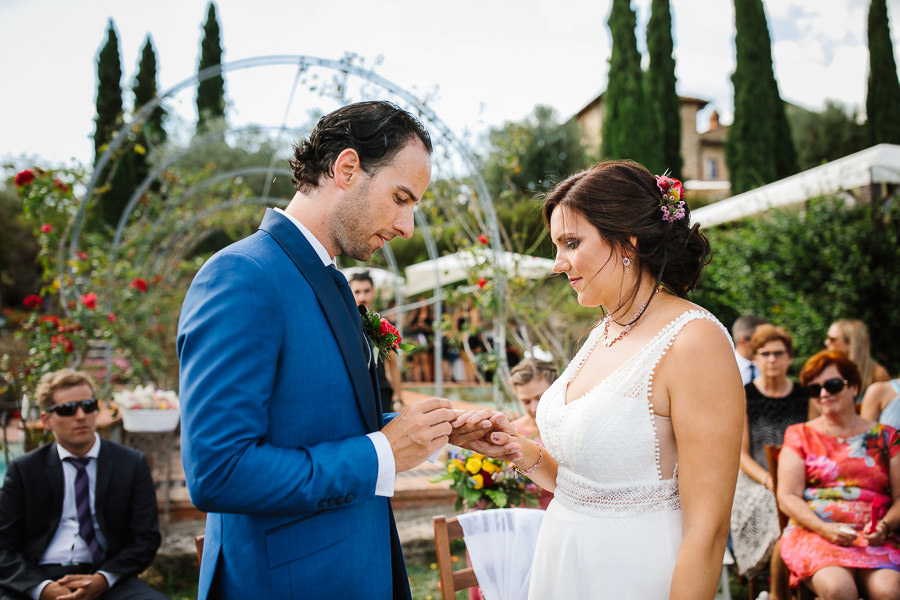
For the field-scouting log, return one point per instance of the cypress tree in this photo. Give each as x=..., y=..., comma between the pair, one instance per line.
x=760, y=148
x=210, y=92
x=624, y=123
x=663, y=106
x=109, y=92
x=152, y=132
x=118, y=173
x=883, y=93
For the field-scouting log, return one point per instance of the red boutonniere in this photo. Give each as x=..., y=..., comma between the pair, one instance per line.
x=383, y=336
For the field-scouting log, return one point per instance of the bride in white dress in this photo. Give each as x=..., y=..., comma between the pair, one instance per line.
x=643, y=429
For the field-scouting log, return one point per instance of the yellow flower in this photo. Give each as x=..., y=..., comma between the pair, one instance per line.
x=455, y=465
x=479, y=481
x=490, y=466
x=473, y=465
x=139, y=149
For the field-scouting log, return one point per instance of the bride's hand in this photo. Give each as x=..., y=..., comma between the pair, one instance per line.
x=500, y=441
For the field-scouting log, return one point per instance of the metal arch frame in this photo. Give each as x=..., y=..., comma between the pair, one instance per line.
x=303, y=63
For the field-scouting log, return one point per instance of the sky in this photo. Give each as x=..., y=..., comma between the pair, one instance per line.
x=482, y=62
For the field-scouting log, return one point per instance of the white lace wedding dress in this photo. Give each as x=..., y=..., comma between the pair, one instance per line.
x=613, y=528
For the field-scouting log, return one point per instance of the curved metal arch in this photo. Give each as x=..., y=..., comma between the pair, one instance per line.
x=303, y=63
x=193, y=191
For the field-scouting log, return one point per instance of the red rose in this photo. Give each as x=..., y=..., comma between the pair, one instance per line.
x=111, y=317
x=482, y=239
x=482, y=282
x=140, y=284
x=24, y=178
x=146, y=362
x=46, y=228
x=32, y=301
x=89, y=300
x=81, y=255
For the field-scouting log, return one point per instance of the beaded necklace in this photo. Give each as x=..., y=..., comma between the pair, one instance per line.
x=609, y=342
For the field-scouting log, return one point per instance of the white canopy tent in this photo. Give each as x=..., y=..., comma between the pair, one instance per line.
x=381, y=278
x=878, y=164
x=456, y=267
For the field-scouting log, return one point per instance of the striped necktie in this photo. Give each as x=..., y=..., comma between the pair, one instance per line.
x=83, y=507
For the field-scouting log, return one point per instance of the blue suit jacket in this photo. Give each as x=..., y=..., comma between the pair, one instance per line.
x=277, y=399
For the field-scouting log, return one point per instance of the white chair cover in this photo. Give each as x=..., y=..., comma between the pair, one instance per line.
x=501, y=546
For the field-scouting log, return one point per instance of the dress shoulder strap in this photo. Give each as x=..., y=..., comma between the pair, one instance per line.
x=657, y=347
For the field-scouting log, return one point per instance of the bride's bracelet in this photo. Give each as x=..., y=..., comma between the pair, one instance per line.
x=534, y=467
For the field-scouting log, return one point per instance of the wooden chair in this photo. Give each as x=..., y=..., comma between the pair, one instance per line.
x=445, y=531
x=198, y=541
x=802, y=592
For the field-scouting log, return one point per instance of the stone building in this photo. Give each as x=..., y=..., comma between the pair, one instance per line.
x=704, y=172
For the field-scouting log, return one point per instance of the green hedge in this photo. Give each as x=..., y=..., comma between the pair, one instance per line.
x=803, y=269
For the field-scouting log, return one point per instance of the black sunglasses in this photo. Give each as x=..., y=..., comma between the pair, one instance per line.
x=68, y=409
x=832, y=386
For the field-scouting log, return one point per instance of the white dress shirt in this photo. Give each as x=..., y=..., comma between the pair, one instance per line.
x=747, y=367
x=387, y=468
x=67, y=547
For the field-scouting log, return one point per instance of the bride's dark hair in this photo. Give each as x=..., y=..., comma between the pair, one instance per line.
x=621, y=199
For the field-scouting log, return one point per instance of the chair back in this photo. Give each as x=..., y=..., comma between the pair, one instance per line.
x=500, y=544
x=445, y=531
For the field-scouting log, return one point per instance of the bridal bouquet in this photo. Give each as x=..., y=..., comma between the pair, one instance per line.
x=481, y=482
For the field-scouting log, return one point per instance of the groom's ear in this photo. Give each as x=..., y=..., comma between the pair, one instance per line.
x=346, y=168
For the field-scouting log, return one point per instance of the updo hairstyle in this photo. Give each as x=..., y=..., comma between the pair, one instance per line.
x=621, y=199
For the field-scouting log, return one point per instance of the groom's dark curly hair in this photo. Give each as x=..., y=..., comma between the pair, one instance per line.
x=377, y=130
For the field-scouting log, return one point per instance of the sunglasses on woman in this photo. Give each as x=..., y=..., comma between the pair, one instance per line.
x=832, y=386
x=68, y=409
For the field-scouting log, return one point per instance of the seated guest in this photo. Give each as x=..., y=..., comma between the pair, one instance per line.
x=881, y=403
x=839, y=482
x=741, y=332
x=851, y=336
x=774, y=402
x=78, y=517
x=529, y=380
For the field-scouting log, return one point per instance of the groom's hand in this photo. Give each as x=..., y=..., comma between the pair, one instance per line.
x=419, y=431
x=498, y=439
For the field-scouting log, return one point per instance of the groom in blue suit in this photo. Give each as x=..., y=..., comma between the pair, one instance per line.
x=283, y=438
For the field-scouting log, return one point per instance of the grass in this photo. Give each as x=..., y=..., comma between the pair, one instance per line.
x=423, y=574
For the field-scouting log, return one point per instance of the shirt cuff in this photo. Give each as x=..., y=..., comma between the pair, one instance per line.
x=387, y=468
x=111, y=578
x=35, y=592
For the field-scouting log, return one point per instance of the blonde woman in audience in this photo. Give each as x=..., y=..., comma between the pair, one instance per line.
x=851, y=336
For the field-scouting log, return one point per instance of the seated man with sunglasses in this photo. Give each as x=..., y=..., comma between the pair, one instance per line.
x=78, y=517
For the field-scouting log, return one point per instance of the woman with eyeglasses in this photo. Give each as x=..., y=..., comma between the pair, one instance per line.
x=774, y=402
x=839, y=482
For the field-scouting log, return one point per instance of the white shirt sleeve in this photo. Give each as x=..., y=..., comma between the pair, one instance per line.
x=387, y=468
x=35, y=592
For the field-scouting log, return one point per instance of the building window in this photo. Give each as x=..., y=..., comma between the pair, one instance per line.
x=712, y=169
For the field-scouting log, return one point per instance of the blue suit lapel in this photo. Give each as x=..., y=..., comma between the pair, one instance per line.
x=347, y=327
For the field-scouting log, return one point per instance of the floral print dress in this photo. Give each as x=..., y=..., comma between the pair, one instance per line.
x=847, y=482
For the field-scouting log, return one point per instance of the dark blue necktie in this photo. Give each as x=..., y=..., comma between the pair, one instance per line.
x=752, y=371
x=83, y=507
x=344, y=286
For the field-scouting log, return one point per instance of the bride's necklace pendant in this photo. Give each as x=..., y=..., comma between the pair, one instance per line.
x=609, y=342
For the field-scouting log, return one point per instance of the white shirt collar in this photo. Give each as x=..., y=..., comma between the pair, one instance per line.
x=94, y=452
x=326, y=258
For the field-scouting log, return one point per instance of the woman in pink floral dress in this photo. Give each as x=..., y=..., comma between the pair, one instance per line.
x=839, y=482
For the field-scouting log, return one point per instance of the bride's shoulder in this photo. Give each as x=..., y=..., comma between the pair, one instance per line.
x=700, y=333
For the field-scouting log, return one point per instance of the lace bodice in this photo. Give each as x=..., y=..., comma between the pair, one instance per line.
x=606, y=441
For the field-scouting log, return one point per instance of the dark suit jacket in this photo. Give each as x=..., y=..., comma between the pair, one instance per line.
x=31, y=506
